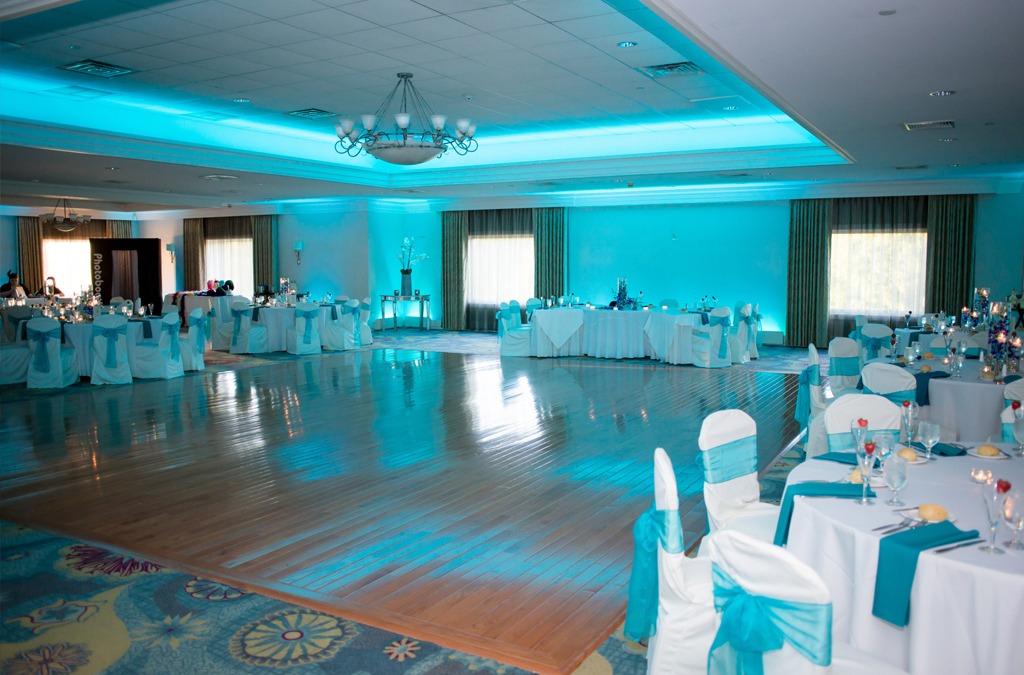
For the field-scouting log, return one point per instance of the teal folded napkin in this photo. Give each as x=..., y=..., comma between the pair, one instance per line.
x=941, y=449
x=841, y=457
x=841, y=490
x=897, y=564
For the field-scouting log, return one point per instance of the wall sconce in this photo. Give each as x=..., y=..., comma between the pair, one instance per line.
x=170, y=249
x=298, y=253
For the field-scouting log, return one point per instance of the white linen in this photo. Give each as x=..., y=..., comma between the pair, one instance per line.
x=157, y=360
x=707, y=342
x=556, y=332
x=965, y=604
x=967, y=406
x=62, y=371
x=79, y=336
x=295, y=337
x=841, y=347
x=279, y=320
x=886, y=378
x=100, y=371
x=615, y=335
x=14, y=363
x=667, y=342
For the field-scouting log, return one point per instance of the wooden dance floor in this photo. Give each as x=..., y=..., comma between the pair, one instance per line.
x=479, y=503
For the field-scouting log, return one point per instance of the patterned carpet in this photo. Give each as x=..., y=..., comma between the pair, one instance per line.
x=72, y=607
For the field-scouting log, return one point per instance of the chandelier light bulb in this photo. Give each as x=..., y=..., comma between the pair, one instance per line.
x=462, y=125
x=437, y=121
x=346, y=127
x=471, y=131
x=369, y=122
x=402, y=120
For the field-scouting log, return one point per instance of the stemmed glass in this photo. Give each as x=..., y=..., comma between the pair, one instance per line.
x=910, y=355
x=993, y=503
x=895, y=474
x=928, y=432
x=885, y=442
x=865, y=460
x=859, y=430
x=1018, y=433
x=957, y=363
x=911, y=412
x=1013, y=514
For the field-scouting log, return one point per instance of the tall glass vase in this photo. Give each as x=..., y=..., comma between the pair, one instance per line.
x=406, y=282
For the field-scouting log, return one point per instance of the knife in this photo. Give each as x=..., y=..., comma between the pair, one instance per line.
x=972, y=542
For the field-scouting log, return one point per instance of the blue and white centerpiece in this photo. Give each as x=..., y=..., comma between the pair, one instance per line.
x=622, y=299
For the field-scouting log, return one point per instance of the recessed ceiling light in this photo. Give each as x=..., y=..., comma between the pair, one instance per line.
x=887, y=12
x=241, y=100
x=626, y=44
x=955, y=165
x=73, y=47
x=942, y=92
x=947, y=140
x=113, y=168
x=730, y=108
x=218, y=176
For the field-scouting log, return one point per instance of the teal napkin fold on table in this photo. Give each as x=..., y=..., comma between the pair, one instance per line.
x=897, y=564
x=841, y=457
x=941, y=449
x=843, y=491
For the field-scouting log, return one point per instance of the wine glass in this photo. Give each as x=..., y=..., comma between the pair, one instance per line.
x=894, y=472
x=993, y=509
x=958, y=363
x=928, y=432
x=859, y=433
x=885, y=442
x=1013, y=514
x=865, y=460
x=910, y=415
x=1018, y=433
x=910, y=355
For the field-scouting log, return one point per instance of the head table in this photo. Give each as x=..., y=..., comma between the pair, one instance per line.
x=966, y=607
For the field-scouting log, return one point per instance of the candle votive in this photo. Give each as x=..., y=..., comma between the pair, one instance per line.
x=980, y=475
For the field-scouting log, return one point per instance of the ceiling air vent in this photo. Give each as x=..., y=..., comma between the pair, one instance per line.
x=925, y=126
x=312, y=113
x=97, y=68
x=671, y=69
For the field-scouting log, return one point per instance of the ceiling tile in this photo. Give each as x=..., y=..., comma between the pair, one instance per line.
x=453, y=6
x=276, y=9
x=272, y=33
x=216, y=15
x=474, y=44
x=413, y=55
x=435, y=28
x=598, y=26
x=118, y=36
x=223, y=42
x=389, y=12
x=273, y=76
x=377, y=38
x=163, y=26
x=328, y=22
x=529, y=37
x=497, y=18
x=176, y=52
x=565, y=9
x=229, y=65
x=276, y=56
x=323, y=49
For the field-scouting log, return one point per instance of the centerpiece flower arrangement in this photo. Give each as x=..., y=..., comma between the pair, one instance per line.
x=407, y=255
x=622, y=299
x=708, y=302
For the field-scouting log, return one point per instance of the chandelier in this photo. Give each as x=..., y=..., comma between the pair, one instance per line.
x=418, y=135
x=66, y=222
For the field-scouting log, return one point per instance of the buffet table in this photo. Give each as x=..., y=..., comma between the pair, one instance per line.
x=965, y=611
x=612, y=334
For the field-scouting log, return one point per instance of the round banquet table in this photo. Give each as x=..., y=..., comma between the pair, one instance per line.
x=79, y=335
x=278, y=320
x=610, y=334
x=968, y=406
x=966, y=608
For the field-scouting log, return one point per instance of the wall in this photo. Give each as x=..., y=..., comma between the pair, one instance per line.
x=999, y=243
x=732, y=251
x=334, y=252
x=389, y=225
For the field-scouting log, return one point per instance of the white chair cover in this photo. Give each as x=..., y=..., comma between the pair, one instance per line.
x=792, y=596
x=881, y=414
x=743, y=343
x=892, y=382
x=532, y=305
x=1013, y=392
x=51, y=365
x=873, y=339
x=304, y=338
x=686, y=618
x=669, y=303
x=14, y=363
x=1006, y=420
x=516, y=310
x=116, y=301
x=512, y=340
x=110, y=364
x=350, y=324
x=193, y=345
x=935, y=344
x=843, y=366
x=711, y=343
x=246, y=337
x=13, y=318
x=810, y=398
x=728, y=445
x=332, y=335
x=221, y=324
x=365, y=332
x=161, y=360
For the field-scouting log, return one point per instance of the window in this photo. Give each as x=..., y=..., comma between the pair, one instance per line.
x=499, y=269
x=67, y=260
x=231, y=259
x=879, y=274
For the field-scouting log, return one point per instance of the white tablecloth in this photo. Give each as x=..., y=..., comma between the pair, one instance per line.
x=278, y=320
x=667, y=343
x=967, y=406
x=556, y=332
x=608, y=334
x=967, y=607
x=79, y=336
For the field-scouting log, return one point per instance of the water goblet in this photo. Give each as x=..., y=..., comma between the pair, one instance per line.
x=865, y=461
x=928, y=432
x=885, y=442
x=918, y=349
x=910, y=356
x=1013, y=515
x=1018, y=433
x=894, y=471
x=958, y=364
x=993, y=510
x=859, y=432
x=910, y=413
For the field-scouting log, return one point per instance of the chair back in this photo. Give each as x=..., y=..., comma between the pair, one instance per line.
x=881, y=414
x=935, y=344
x=746, y=332
x=808, y=392
x=307, y=320
x=116, y=301
x=170, y=327
x=516, y=312
x=198, y=329
x=13, y=318
x=44, y=342
x=843, y=364
x=892, y=382
x=717, y=332
x=874, y=340
x=110, y=339
x=728, y=454
x=241, y=319
x=1006, y=419
x=532, y=305
x=1013, y=392
x=669, y=303
x=774, y=610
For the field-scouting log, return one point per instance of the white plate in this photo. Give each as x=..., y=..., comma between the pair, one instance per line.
x=913, y=515
x=973, y=452
x=876, y=482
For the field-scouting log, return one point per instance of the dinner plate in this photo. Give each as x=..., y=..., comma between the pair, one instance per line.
x=973, y=452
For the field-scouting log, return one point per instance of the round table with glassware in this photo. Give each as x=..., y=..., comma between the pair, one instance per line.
x=966, y=606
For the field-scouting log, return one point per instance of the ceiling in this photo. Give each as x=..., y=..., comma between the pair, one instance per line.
x=808, y=98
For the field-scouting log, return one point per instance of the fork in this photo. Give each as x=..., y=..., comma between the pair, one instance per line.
x=903, y=523
x=901, y=528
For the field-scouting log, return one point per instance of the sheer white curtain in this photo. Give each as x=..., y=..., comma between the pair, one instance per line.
x=231, y=259
x=878, y=274
x=67, y=260
x=498, y=269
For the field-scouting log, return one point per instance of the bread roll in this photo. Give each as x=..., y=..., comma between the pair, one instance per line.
x=988, y=451
x=907, y=454
x=933, y=513
x=927, y=355
x=926, y=368
x=855, y=477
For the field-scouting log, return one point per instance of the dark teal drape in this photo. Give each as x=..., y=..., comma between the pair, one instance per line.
x=810, y=223
x=950, y=278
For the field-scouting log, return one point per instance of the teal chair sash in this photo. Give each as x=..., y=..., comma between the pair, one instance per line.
x=871, y=346
x=753, y=624
x=843, y=441
x=310, y=315
x=730, y=460
x=41, y=352
x=723, y=345
x=202, y=326
x=172, y=330
x=213, y=312
x=846, y=366
x=506, y=314
x=651, y=528
x=1008, y=433
x=809, y=377
x=897, y=397
x=110, y=335
x=238, y=314
x=750, y=321
x=357, y=334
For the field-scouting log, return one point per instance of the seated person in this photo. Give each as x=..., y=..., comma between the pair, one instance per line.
x=12, y=289
x=226, y=288
x=49, y=288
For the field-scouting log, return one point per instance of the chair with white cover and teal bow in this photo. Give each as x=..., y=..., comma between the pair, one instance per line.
x=775, y=615
x=532, y=305
x=52, y=365
x=880, y=413
x=162, y=360
x=304, y=336
x=732, y=494
x=892, y=382
x=711, y=342
x=14, y=363
x=743, y=343
x=512, y=340
x=1013, y=392
x=193, y=344
x=220, y=323
x=874, y=340
x=1006, y=421
x=110, y=364
x=365, y=332
x=332, y=334
x=670, y=599
x=246, y=337
x=810, y=395
x=843, y=365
